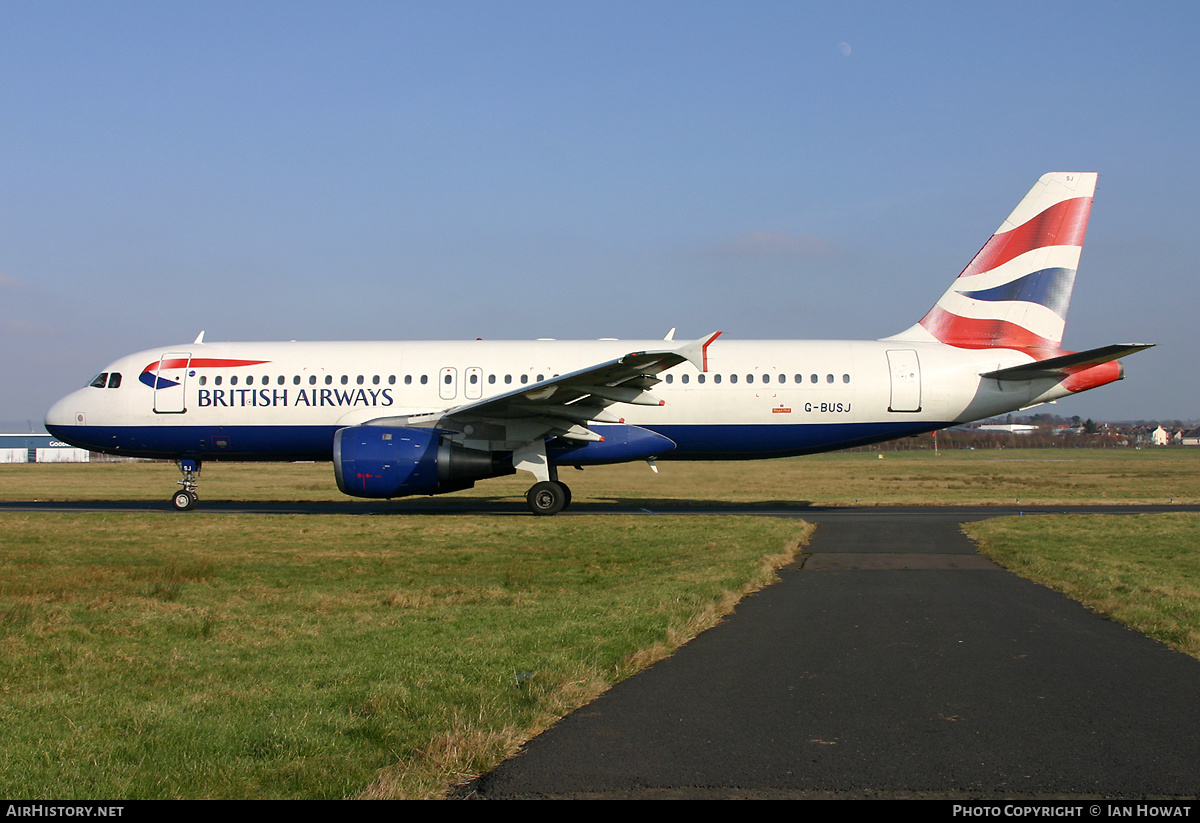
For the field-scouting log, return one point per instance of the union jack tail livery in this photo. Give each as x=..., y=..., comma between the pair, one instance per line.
x=1015, y=293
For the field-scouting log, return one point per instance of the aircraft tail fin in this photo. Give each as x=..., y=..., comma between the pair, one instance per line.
x=1015, y=292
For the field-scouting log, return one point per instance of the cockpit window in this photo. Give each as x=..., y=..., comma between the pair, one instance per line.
x=99, y=381
x=114, y=380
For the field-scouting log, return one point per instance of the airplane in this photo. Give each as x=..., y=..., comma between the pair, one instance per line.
x=424, y=418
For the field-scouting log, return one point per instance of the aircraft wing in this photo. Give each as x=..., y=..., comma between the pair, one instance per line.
x=1059, y=366
x=564, y=404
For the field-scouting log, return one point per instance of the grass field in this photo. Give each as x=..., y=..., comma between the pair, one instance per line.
x=241, y=656
x=982, y=477
x=221, y=655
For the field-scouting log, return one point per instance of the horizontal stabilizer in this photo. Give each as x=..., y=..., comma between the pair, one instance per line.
x=1058, y=366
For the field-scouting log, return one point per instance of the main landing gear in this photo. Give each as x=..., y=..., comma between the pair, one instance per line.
x=548, y=497
x=185, y=499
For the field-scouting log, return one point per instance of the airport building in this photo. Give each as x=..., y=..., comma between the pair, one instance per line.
x=39, y=448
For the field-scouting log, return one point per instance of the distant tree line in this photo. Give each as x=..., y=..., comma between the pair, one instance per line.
x=1052, y=432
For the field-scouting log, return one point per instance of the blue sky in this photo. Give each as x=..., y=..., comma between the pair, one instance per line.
x=449, y=170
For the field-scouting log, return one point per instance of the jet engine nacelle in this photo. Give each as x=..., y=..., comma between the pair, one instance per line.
x=386, y=461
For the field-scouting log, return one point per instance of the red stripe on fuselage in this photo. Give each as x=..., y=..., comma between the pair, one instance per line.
x=200, y=363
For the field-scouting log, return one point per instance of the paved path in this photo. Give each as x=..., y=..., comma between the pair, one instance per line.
x=896, y=661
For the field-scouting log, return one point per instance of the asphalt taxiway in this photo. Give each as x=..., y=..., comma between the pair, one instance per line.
x=891, y=661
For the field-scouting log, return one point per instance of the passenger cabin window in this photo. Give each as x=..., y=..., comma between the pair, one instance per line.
x=203, y=380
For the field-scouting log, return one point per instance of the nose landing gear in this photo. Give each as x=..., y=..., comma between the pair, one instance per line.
x=185, y=499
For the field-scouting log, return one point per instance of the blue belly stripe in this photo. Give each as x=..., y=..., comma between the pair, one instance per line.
x=701, y=442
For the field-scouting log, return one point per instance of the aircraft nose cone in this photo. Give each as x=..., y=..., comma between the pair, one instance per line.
x=64, y=415
x=57, y=416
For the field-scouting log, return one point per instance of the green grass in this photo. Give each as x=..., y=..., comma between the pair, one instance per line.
x=1140, y=570
x=207, y=655
x=168, y=656
x=983, y=477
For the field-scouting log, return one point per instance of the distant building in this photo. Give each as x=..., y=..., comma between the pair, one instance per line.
x=39, y=448
x=1010, y=428
x=1160, y=436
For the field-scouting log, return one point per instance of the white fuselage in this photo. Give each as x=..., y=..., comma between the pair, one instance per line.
x=757, y=398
